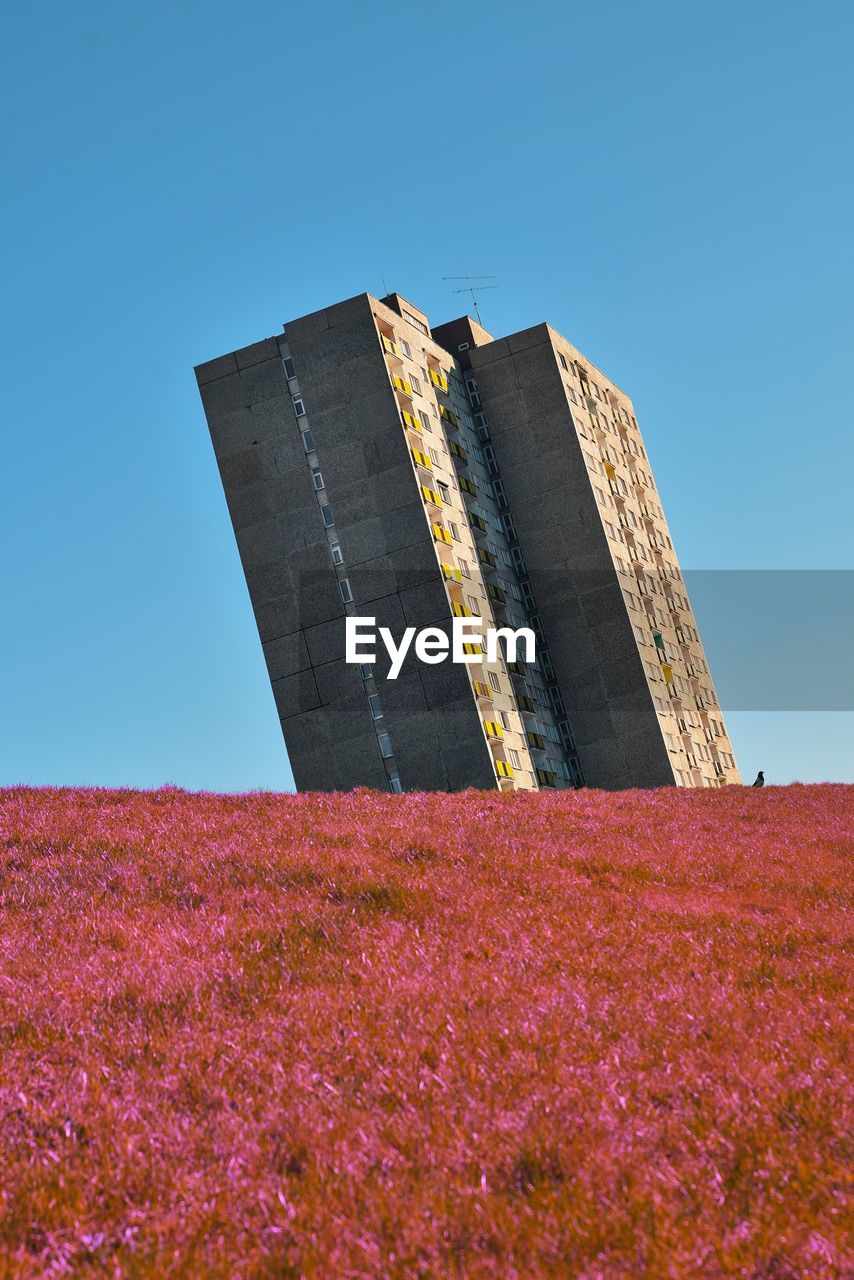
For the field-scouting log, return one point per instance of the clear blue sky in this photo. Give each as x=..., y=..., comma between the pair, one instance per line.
x=668, y=184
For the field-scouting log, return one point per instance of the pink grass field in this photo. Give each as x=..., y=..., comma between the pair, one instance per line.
x=517, y=1036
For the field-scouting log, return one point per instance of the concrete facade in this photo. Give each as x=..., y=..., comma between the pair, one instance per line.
x=373, y=467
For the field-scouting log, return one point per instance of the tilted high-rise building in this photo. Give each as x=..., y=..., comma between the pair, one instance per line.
x=374, y=467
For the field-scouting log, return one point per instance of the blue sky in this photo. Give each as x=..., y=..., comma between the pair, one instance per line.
x=669, y=185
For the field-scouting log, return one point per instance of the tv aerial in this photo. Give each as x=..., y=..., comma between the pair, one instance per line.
x=473, y=288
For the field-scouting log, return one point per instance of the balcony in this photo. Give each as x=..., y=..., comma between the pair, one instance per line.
x=459, y=453
x=451, y=573
x=546, y=778
x=467, y=486
x=460, y=610
x=439, y=380
x=482, y=690
x=401, y=385
x=448, y=415
x=391, y=347
x=431, y=496
x=478, y=525
x=503, y=769
x=409, y=420
x=421, y=459
x=441, y=534
x=493, y=730
x=537, y=741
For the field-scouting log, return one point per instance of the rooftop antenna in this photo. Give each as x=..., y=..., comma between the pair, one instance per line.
x=385, y=286
x=473, y=289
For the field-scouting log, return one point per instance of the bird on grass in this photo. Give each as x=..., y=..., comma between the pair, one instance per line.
x=760, y=779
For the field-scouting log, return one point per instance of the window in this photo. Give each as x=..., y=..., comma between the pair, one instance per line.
x=434, y=455
x=464, y=346
x=366, y=671
x=444, y=491
x=494, y=681
x=308, y=441
x=416, y=324
x=376, y=709
x=415, y=384
x=326, y=512
x=514, y=758
x=394, y=784
x=337, y=554
x=385, y=746
x=346, y=591
x=289, y=367
x=299, y=407
x=562, y=358
x=318, y=480
x=504, y=718
x=455, y=533
x=425, y=421
x=405, y=347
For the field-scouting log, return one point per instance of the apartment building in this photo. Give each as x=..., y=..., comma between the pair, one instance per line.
x=375, y=467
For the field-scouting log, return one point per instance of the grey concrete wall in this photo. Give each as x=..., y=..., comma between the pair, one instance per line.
x=584, y=618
